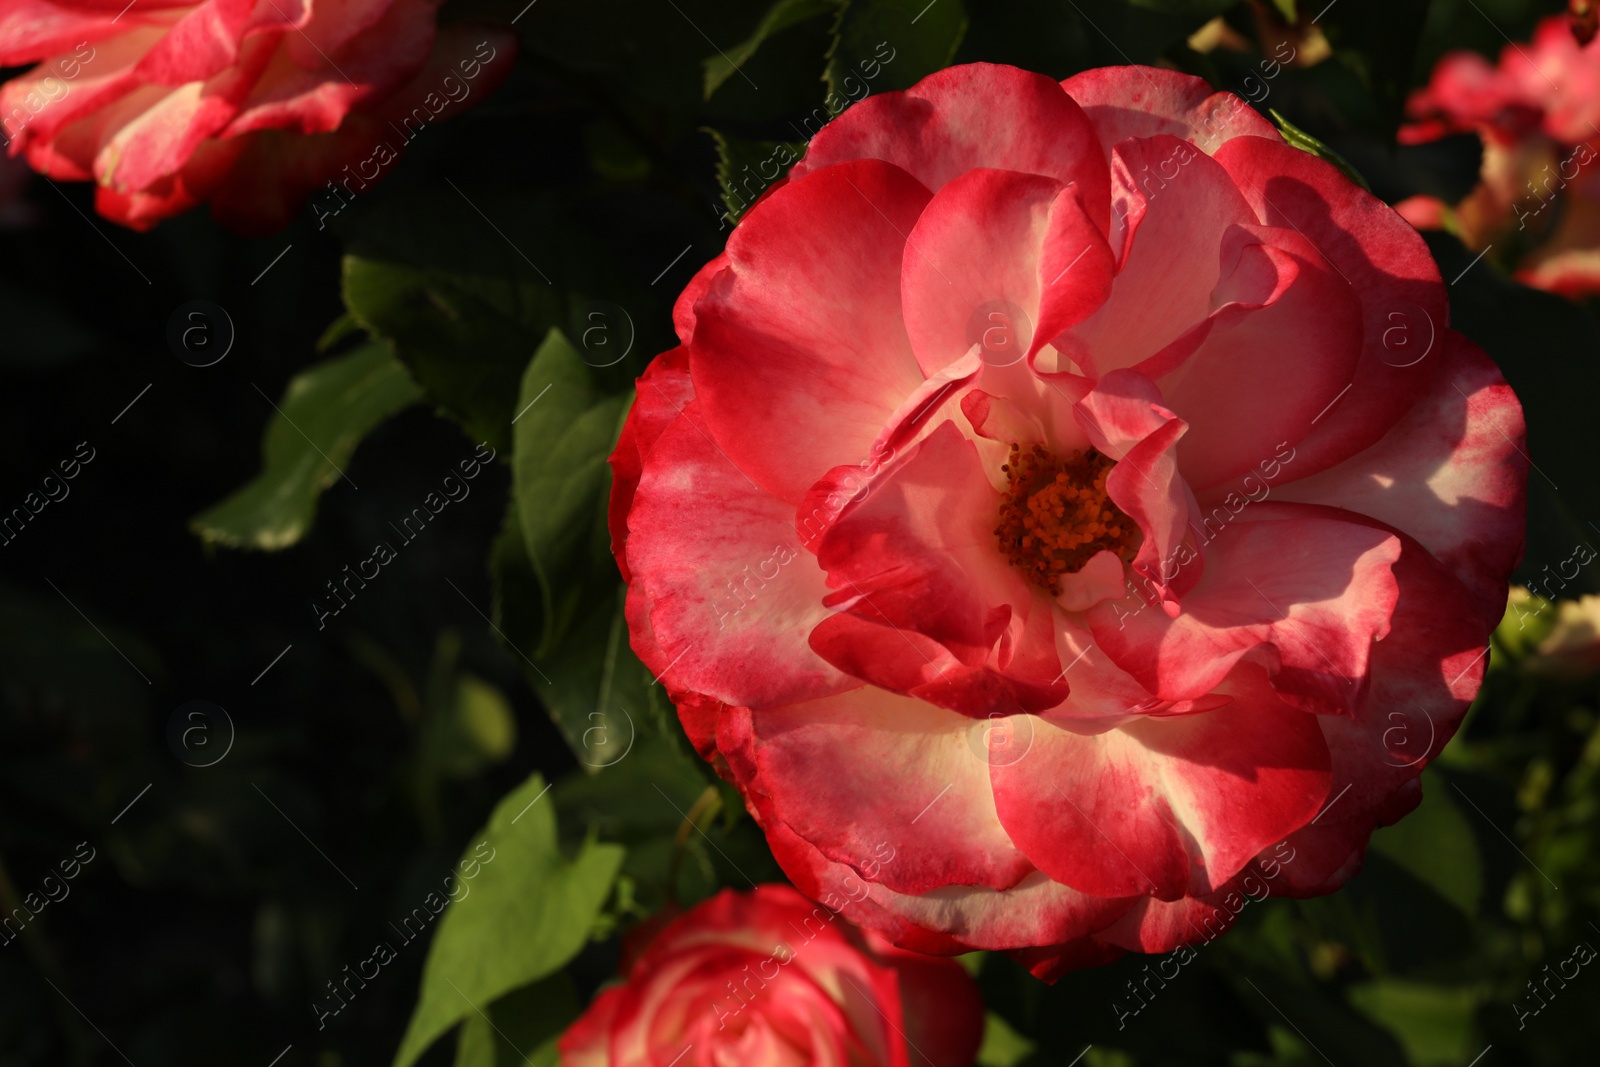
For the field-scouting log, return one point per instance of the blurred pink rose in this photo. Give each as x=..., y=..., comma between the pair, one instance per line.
x=1538, y=115
x=769, y=979
x=250, y=104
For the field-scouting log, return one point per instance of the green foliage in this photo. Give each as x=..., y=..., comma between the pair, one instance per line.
x=1433, y=1022
x=564, y=432
x=528, y=896
x=1002, y=1046
x=1307, y=143
x=463, y=350
x=520, y=1029
x=746, y=168
x=1435, y=845
x=314, y=430
x=920, y=38
x=782, y=15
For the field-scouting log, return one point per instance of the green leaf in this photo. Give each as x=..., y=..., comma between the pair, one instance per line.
x=475, y=729
x=1002, y=1046
x=596, y=690
x=323, y=415
x=528, y=912
x=563, y=433
x=1286, y=8
x=642, y=795
x=339, y=331
x=782, y=15
x=1433, y=1022
x=514, y=585
x=521, y=1028
x=746, y=168
x=1307, y=143
x=467, y=354
x=899, y=41
x=599, y=693
x=1436, y=845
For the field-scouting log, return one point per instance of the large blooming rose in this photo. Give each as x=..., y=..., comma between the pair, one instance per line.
x=1536, y=207
x=769, y=979
x=1062, y=494
x=250, y=104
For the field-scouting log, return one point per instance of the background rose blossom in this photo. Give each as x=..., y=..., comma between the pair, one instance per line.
x=1078, y=750
x=770, y=979
x=1538, y=197
x=250, y=104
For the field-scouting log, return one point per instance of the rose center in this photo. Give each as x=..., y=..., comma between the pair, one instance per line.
x=1056, y=514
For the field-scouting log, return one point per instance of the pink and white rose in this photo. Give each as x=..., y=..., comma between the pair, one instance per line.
x=1062, y=495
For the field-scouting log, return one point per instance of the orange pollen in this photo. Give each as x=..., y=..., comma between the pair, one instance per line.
x=1056, y=514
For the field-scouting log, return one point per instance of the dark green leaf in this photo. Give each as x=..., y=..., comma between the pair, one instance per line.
x=564, y=431
x=746, y=168
x=1433, y=1022
x=1307, y=143
x=1435, y=843
x=892, y=44
x=782, y=15
x=521, y=1028
x=1002, y=1046
x=598, y=690
x=464, y=352
x=528, y=912
x=323, y=415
